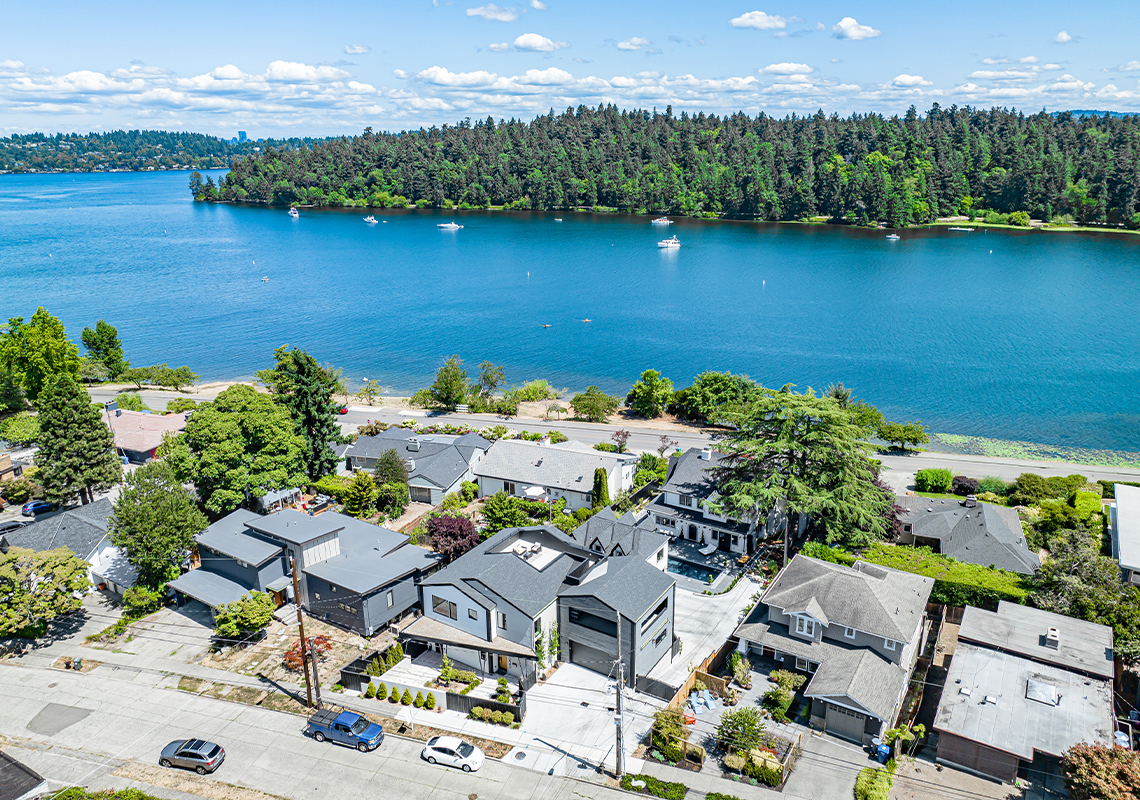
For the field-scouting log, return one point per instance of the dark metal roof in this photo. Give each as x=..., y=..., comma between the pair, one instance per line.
x=209, y=587
x=294, y=527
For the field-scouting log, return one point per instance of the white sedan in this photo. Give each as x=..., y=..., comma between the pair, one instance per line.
x=455, y=752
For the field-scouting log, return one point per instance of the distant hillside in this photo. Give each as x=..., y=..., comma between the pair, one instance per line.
x=1088, y=113
x=128, y=151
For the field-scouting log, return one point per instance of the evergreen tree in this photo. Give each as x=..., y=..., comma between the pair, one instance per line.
x=390, y=468
x=77, y=453
x=154, y=523
x=601, y=492
x=451, y=385
x=104, y=346
x=306, y=388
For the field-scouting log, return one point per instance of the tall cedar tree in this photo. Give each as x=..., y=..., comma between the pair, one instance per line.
x=104, y=346
x=306, y=388
x=808, y=450
x=77, y=452
x=37, y=587
x=154, y=523
x=32, y=353
x=239, y=446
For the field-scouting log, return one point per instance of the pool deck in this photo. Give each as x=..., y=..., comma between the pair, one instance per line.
x=720, y=562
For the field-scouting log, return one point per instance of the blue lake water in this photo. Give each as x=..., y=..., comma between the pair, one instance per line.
x=1012, y=335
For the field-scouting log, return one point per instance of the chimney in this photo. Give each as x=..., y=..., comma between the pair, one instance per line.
x=1053, y=639
x=414, y=445
x=411, y=462
x=118, y=412
x=706, y=454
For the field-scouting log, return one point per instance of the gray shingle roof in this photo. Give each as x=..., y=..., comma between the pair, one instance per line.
x=546, y=465
x=1014, y=628
x=230, y=535
x=615, y=536
x=440, y=460
x=867, y=597
x=630, y=586
x=988, y=535
x=80, y=530
x=18, y=780
x=689, y=473
x=294, y=527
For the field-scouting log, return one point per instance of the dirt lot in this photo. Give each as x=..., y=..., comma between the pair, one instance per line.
x=266, y=657
x=919, y=779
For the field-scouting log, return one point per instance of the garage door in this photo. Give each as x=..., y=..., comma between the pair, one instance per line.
x=590, y=658
x=845, y=723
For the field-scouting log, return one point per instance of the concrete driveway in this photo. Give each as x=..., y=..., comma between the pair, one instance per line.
x=179, y=634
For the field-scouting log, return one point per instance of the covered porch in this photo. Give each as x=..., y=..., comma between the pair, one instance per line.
x=496, y=657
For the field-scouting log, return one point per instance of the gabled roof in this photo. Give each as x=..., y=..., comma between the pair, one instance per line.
x=690, y=474
x=622, y=537
x=1126, y=531
x=987, y=535
x=230, y=535
x=630, y=586
x=294, y=527
x=873, y=599
x=141, y=432
x=552, y=466
x=80, y=530
x=440, y=460
x=371, y=557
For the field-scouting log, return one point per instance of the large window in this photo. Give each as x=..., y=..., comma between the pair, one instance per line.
x=805, y=626
x=593, y=622
x=657, y=612
x=445, y=608
x=390, y=598
x=685, y=500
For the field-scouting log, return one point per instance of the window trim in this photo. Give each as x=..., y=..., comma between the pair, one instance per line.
x=889, y=644
x=805, y=626
x=473, y=614
x=449, y=608
x=849, y=633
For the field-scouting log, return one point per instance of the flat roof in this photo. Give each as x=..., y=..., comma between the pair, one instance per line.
x=1084, y=646
x=998, y=712
x=230, y=536
x=294, y=527
x=209, y=587
x=1126, y=532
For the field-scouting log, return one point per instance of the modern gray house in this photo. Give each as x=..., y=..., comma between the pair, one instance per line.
x=856, y=631
x=1024, y=686
x=988, y=535
x=494, y=607
x=437, y=464
x=1124, y=525
x=351, y=573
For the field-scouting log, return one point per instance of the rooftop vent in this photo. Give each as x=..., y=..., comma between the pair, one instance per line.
x=414, y=445
x=991, y=699
x=1053, y=639
x=706, y=454
x=411, y=462
x=966, y=690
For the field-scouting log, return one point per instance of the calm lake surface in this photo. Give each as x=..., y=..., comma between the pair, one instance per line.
x=1027, y=336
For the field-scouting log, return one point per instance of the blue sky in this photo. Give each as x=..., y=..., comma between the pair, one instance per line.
x=317, y=68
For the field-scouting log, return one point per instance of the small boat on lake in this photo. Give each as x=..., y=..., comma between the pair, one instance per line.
x=558, y=219
x=893, y=237
x=371, y=220
x=671, y=242
x=967, y=230
x=661, y=221
x=294, y=212
x=448, y=226
x=266, y=279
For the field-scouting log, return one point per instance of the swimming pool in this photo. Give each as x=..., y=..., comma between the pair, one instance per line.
x=678, y=566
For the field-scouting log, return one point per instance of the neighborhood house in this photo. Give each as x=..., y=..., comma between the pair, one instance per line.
x=986, y=534
x=1125, y=529
x=138, y=433
x=437, y=464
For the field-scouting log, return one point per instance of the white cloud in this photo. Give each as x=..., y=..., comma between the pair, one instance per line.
x=227, y=73
x=541, y=44
x=787, y=68
x=848, y=28
x=441, y=76
x=499, y=47
x=908, y=81
x=992, y=61
x=1050, y=66
x=399, y=73
x=357, y=49
x=635, y=43
x=494, y=13
x=1003, y=74
x=295, y=72
x=759, y=20
x=1131, y=66
x=538, y=4
x=1029, y=60
x=10, y=64
x=1067, y=83
x=1063, y=37
x=544, y=77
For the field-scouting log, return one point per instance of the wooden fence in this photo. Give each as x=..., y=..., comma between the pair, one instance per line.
x=710, y=665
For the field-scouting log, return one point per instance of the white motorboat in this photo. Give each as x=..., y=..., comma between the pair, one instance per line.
x=448, y=226
x=266, y=279
x=294, y=212
x=371, y=220
x=894, y=237
x=672, y=241
x=662, y=221
x=558, y=219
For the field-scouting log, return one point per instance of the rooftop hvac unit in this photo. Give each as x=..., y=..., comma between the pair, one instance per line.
x=1053, y=639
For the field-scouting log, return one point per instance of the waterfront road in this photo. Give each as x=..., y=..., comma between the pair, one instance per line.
x=899, y=468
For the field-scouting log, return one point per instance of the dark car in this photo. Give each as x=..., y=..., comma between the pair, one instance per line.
x=12, y=525
x=33, y=507
x=196, y=754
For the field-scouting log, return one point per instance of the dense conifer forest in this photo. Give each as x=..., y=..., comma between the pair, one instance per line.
x=999, y=164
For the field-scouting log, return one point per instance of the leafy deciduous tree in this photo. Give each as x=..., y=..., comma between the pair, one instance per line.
x=452, y=534
x=451, y=385
x=35, y=352
x=650, y=395
x=247, y=614
x=103, y=345
x=37, y=587
x=594, y=405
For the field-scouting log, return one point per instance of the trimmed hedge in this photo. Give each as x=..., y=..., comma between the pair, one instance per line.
x=1086, y=504
x=874, y=783
x=663, y=789
x=933, y=480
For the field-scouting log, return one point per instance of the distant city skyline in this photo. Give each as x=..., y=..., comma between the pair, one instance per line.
x=295, y=69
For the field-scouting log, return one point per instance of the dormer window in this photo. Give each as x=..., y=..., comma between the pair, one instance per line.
x=805, y=626
x=889, y=644
x=685, y=500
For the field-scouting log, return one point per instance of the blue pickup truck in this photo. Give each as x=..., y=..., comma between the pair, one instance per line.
x=345, y=727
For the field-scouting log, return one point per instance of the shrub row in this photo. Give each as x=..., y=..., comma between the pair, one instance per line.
x=874, y=783
x=663, y=789
x=492, y=716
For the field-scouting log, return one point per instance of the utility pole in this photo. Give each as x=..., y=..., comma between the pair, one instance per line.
x=316, y=675
x=619, y=766
x=301, y=631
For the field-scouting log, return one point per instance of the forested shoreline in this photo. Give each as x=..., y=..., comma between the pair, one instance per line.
x=999, y=165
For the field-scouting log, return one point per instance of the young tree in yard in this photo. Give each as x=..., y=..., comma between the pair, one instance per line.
x=360, y=497
x=103, y=345
x=741, y=729
x=238, y=447
x=903, y=433
x=392, y=498
x=369, y=391
x=666, y=445
x=306, y=388
x=500, y=511
x=452, y=534
x=77, y=453
x=154, y=523
x=390, y=468
x=1101, y=772
x=594, y=405
x=601, y=492
x=36, y=351
x=650, y=395
x=246, y=615
x=491, y=377
x=35, y=588
x=451, y=386
x=621, y=439
x=807, y=450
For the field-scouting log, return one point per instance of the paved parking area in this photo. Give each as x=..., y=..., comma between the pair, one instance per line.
x=920, y=778
x=180, y=634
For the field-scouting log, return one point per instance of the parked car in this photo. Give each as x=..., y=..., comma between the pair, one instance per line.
x=455, y=752
x=12, y=525
x=34, y=507
x=342, y=410
x=345, y=727
x=196, y=754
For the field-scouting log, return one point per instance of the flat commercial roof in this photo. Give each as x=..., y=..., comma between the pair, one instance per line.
x=1018, y=629
x=1126, y=532
x=999, y=713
